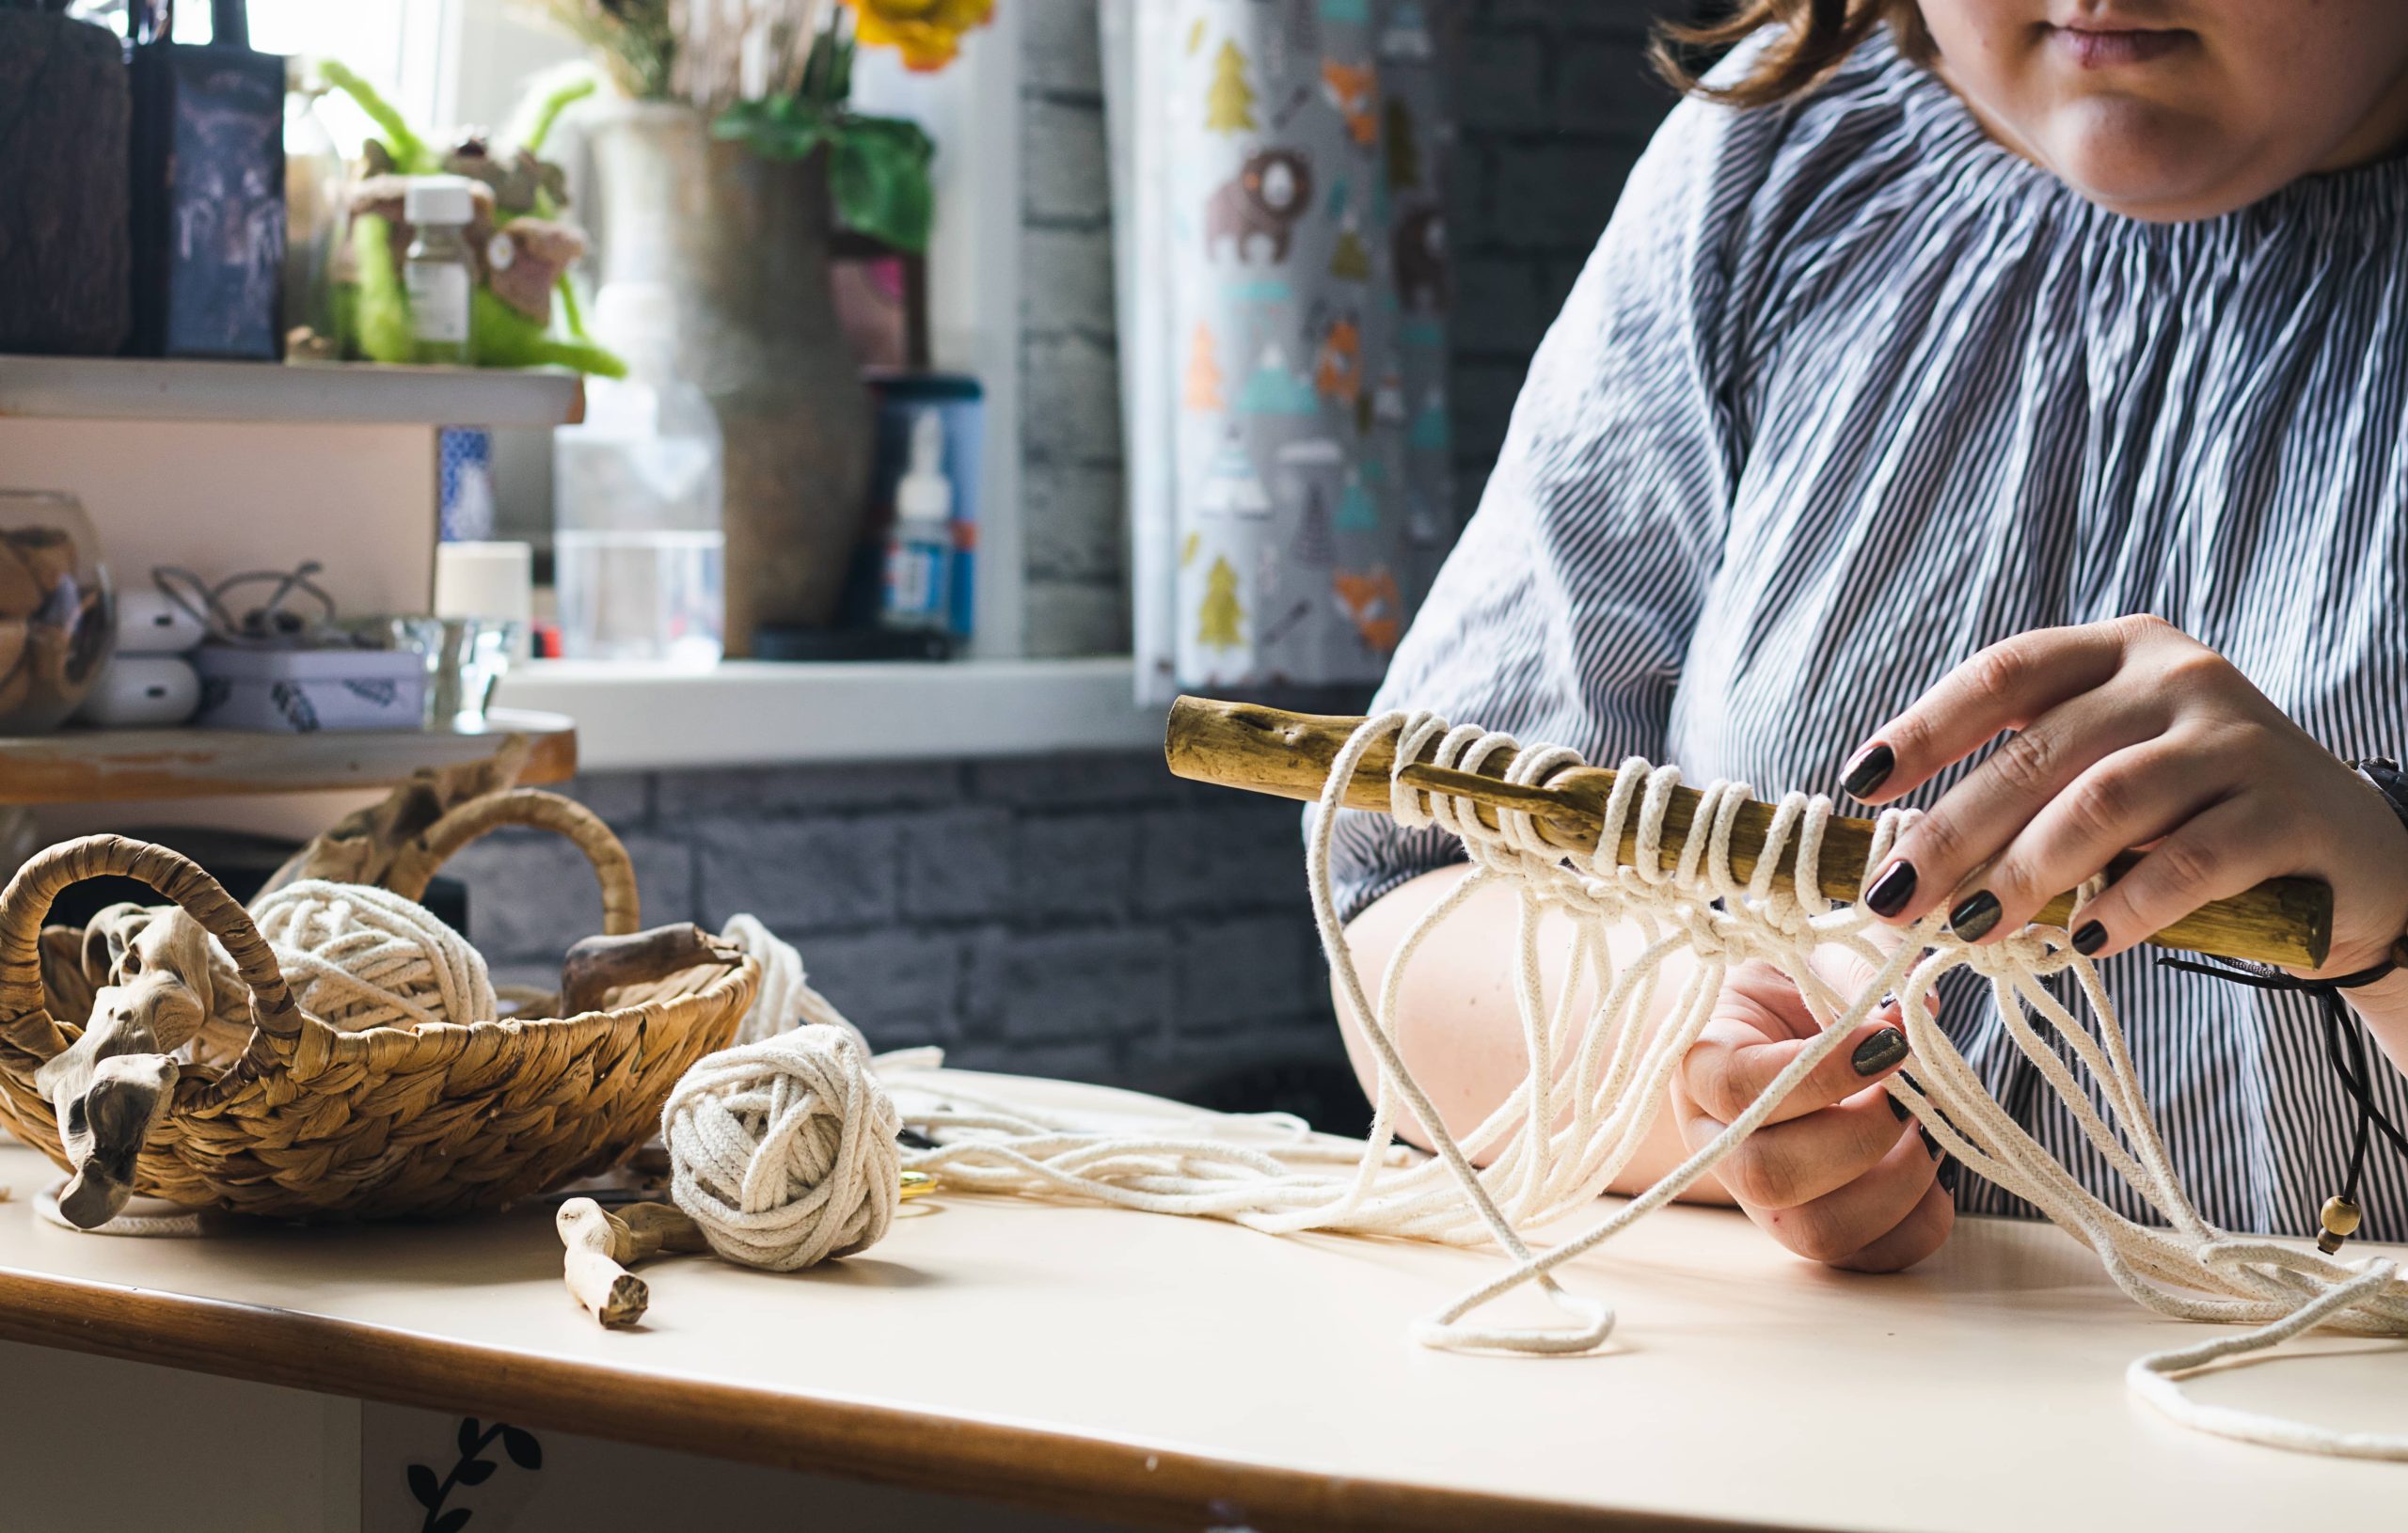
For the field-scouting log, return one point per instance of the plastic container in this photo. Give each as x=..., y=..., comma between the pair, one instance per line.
x=57, y=623
x=637, y=550
x=301, y=691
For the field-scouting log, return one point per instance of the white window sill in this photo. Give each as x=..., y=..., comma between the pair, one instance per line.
x=753, y=713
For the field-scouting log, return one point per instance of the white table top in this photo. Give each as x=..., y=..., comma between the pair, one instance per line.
x=1177, y=1371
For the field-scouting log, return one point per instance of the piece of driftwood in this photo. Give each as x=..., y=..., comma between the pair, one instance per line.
x=368, y=845
x=1243, y=744
x=600, y=969
x=601, y=1242
x=111, y=1087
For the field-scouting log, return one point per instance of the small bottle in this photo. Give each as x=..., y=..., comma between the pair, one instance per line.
x=437, y=270
x=919, y=553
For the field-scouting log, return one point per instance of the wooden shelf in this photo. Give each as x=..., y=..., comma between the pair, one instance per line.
x=109, y=766
x=758, y=713
x=358, y=393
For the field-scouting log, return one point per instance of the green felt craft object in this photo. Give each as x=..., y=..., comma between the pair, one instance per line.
x=374, y=310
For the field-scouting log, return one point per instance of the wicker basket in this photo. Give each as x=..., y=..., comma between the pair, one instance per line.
x=388, y=1121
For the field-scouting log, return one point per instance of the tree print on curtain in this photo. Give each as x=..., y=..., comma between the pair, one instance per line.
x=1284, y=281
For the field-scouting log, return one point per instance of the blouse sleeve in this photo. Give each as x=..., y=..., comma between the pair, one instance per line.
x=1565, y=613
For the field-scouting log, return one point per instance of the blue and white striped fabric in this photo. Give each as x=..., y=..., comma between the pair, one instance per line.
x=1848, y=392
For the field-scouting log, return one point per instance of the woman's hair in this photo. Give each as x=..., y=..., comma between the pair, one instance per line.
x=1811, y=36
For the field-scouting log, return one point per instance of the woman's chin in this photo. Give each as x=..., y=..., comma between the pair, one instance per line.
x=2158, y=177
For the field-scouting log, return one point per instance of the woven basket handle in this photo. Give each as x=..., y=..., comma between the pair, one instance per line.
x=26, y=905
x=541, y=811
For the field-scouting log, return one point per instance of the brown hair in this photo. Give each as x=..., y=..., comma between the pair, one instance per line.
x=1813, y=37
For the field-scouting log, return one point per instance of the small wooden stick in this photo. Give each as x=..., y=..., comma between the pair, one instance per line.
x=1242, y=745
x=600, y=1240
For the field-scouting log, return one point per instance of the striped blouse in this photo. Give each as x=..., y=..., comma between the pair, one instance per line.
x=1848, y=392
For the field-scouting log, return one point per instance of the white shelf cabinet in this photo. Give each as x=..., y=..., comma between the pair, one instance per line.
x=751, y=713
x=324, y=393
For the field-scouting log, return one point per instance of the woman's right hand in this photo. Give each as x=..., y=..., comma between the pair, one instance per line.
x=1840, y=1172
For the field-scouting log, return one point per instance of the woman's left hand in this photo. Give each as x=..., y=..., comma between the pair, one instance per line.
x=2128, y=734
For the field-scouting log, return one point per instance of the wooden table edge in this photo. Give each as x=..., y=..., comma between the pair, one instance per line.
x=1030, y=1467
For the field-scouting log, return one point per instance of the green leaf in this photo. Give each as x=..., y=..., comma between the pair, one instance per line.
x=879, y=174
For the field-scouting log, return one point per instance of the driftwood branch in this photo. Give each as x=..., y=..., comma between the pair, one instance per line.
x=600, y=1242
x=112, y=1084
x=1238, y=745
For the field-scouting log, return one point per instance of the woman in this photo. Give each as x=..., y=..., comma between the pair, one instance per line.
x=1931, y=349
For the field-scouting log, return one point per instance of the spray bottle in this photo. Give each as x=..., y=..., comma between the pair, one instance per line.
x=919, y=552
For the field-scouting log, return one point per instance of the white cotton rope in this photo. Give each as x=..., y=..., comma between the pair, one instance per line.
x=783, y=1151
x=1596, y=1084
x=358, y=956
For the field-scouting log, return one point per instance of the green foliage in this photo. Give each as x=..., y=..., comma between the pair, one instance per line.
x=501, y=336
x=877, y=167
x=407, y=151
x=381, y=314
x=635, y=39
x=536, y=117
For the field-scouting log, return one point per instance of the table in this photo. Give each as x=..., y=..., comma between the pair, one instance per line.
x=1183, y=1373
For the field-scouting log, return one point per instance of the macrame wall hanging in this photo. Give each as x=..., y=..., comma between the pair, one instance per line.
x=792, y=1134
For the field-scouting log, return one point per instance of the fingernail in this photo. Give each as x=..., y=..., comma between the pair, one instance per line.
x=2090, y=939
x=1974, y=915
x=1947, y=1174
x=1928, y=1143
x=1890, y=893
x=1870, y=768
x=1880, y=1052
x=1898, y=1108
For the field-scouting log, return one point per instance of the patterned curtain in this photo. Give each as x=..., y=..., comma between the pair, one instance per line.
x=1284, y=278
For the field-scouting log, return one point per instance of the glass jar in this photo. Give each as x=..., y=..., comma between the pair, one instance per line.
x=314, y=182
x=57, y=621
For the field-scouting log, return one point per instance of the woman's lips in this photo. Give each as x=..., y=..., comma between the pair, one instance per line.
x=2107, y=48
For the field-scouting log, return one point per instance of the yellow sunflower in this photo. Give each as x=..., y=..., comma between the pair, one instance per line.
x=927, y=32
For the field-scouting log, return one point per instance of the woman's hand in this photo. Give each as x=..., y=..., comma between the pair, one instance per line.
x=2128, y=734
x=1839, y=1172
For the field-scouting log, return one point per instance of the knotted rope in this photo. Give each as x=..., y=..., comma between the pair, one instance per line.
x=784, y=1150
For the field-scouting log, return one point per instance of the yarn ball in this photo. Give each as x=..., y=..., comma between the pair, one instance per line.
x=358, y=956
x=784, y=1150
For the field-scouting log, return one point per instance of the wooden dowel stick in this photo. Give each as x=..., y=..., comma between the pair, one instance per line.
x=1242, y=745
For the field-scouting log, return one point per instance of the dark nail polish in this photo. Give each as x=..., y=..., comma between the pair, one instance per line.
x=1947, y=1174
x=1869, y=771
x=1890, y=893
x=1974, y=915
x=2090, y=939
x=1898, y=1108
x=1929, y=1143
x=1880, y=1052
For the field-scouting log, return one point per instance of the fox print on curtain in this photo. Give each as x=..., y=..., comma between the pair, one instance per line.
x=1284, y=278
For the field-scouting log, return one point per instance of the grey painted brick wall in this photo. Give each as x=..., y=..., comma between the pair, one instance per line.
x=1089, y=916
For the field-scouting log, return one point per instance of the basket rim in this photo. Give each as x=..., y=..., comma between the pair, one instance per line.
x=359, y=1046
